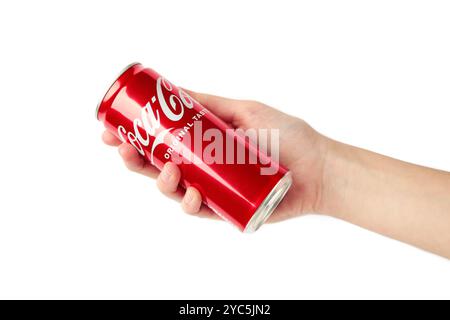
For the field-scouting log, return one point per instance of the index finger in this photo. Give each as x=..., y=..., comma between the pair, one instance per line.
x=110, y=139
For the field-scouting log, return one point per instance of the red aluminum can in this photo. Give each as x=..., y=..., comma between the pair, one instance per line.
x=146, y=110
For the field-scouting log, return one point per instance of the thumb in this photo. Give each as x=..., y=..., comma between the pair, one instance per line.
x=225, y=108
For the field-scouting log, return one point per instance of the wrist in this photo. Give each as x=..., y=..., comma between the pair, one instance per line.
x=335, y=178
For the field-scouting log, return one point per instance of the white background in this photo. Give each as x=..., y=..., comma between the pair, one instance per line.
x=75, y=224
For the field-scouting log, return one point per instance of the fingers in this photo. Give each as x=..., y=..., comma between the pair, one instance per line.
x=110, y=139
x=224, y=108
x=192, y=204
x=168, y=179
x=135, y=162
x=192, y=201
x=167, y=182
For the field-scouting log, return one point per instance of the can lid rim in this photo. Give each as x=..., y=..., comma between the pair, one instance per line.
x=269, y=204
x=97, y=109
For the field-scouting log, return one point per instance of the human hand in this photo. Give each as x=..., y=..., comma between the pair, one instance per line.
x=373, y=191
x=302, y=150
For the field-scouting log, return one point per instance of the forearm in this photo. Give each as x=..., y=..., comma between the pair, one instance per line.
x=407, y=202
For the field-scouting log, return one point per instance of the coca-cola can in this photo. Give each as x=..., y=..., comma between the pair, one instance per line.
x=164, y=123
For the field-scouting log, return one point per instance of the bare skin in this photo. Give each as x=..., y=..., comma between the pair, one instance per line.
x=403, y=201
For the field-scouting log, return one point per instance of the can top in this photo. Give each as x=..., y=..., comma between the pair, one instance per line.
x=112, y=85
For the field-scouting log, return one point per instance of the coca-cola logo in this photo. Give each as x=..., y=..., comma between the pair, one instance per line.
x=212, y=145
x=172, y=107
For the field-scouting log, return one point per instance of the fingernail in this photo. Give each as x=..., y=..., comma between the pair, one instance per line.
x=120, y=150
x=166, y=174
x=188, y=197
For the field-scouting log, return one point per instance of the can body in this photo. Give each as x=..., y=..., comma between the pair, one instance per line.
x=165, y=124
